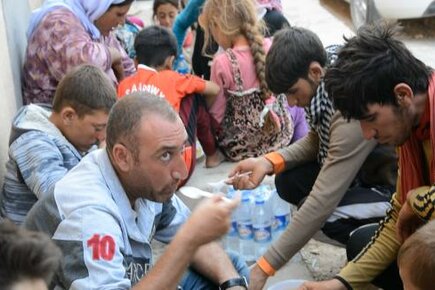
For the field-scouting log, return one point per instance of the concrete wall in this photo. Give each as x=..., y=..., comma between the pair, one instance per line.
x=35, y=3
x=14, y=16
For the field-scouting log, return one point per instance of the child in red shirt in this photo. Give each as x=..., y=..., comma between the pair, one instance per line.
x=156, y=49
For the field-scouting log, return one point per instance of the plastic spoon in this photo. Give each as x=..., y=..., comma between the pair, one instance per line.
x=227, y=180
x=195, y=193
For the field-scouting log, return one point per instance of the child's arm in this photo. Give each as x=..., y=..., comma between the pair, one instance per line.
x=210, y=92
x=187, y=17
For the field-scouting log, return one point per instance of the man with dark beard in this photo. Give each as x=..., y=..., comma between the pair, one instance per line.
x=324, y=173
x=379, y=83
x=104, y=214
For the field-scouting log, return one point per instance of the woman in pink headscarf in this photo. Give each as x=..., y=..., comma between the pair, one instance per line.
x=65, y=33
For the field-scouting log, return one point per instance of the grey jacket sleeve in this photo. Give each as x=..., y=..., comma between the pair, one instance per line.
x=39, y=161
x=347, y=151
x=303, y=150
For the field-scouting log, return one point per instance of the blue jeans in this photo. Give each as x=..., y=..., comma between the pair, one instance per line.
x=192, y=280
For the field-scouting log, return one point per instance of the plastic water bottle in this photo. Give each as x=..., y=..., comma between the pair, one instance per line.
x=281, y=212
x=231, y=240
x=262, y=191
x=265, y=192
x=262, y=225
x=244, y=227
x=181, y=65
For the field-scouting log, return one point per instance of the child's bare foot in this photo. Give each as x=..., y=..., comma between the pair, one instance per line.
x=214, y=160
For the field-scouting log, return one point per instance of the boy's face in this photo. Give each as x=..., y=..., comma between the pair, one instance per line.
x=387, y=124
x=301, y=93
x=86, y=131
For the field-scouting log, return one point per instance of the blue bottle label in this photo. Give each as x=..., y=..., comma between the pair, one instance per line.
x=280, y=222
x=233, y=229
x=245, y=231
x=263, y=234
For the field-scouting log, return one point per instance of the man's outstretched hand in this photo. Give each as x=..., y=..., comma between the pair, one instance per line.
x=259, y=168
x=333, y=284
x=257, y=278
x=407, y=222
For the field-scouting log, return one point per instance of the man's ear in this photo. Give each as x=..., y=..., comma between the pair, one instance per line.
x=122, y=157
x=169, y=62
x=315, y=71
x=404, y=94
x=68, y=115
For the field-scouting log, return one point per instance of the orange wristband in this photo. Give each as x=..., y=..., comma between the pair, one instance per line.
x=277, y=160
x=265, y=266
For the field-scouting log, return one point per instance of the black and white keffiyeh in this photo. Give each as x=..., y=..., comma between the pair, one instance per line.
x=319, y=114
x=321, y=109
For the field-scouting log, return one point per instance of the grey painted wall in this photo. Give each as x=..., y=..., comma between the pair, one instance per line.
x=14, y=17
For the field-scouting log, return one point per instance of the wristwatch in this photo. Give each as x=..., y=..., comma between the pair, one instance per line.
x=240, y=281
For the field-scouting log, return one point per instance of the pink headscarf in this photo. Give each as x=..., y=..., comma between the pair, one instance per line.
x=86, y=10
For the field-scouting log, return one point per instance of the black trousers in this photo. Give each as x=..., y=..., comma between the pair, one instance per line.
x=294, y=186
x=389, y=279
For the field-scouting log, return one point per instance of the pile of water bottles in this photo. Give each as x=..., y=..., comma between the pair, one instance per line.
x=259, y=219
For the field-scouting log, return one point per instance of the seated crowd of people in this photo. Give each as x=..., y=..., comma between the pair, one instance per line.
x=109, y=132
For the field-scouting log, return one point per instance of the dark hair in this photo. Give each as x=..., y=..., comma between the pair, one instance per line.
x=154, y=45
x=418, y=254
x=368, y=68
x=125, y=118
x=289, y=58
x=126, y=2
x=86, y=88
x=157, y=3
x=26, y=255
x=275, y=21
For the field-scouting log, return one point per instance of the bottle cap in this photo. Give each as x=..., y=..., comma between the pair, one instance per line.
x=246, y=195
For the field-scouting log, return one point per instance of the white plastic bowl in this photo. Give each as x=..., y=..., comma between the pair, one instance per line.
x=291, y=284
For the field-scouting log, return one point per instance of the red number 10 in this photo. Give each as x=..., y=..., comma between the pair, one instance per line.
x=102, y=248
